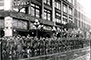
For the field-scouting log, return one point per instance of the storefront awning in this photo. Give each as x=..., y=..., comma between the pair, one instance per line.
x=23, y=16
x=70, y=25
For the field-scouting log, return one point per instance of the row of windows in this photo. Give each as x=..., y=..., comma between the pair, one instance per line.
x=36, y=11
x=81, y=24
x=69, y=11
x=79, y=15
x=58, y=6
x=57, y=14
x=16, y=24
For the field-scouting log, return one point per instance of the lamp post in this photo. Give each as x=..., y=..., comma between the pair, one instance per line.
x=36, y=23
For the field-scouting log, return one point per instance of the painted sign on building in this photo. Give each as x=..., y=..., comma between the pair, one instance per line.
x=21, y=3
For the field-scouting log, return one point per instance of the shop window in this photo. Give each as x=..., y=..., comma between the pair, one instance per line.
x=19, y=24
x=15, y=23
x=24, y=24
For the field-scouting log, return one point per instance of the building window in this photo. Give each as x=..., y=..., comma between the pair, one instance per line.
x=35, y=10
x=47, y=14
x=78, y=23
x=58, y=5
x=23, y=10
x=65, y=8
x=75, y=21
x=75, y=13
x=58, y=17
x=47, y=2
x=70, y=1
x=1, y=4
x=65, y=18
x=70, y=21
x=70, y=11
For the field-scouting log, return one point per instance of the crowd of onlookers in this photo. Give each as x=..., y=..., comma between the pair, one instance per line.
x=18, y=47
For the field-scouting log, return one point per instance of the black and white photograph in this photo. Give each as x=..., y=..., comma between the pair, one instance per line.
x=45, y=29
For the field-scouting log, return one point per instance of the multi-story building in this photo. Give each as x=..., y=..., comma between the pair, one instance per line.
x=50, y=13
x=1, y=4
x=81, y=19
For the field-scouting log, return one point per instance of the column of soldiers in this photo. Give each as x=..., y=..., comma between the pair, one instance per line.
x=19, y=47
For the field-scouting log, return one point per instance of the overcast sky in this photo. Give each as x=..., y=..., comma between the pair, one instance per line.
x=87, y=5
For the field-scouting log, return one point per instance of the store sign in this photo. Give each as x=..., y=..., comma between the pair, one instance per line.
x=21, y=3
x=8, y=26
x=47, y=28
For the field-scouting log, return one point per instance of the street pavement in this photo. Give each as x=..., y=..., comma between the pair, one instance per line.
x=79, y=54
x=84, y=57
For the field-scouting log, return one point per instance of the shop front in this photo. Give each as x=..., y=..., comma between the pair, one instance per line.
x=41, y=30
